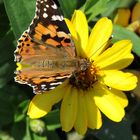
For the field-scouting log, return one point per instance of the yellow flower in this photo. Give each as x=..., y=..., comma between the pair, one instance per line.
x=98, y=88
x=129, y=18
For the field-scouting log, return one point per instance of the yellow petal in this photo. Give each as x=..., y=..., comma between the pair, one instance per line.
x=136, y=12
x=120, y=80
x=120, y=96
x=68, y=109
x=73, y=32
x=41, y=104
x=35, y=111
x=123, y=17
x=107, y=103
x=117, y=57
x=99, y=37
x=93, y=113
x=81, y=119
x=80, y=23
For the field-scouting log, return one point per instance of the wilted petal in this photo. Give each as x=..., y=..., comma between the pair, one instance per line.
x=68, y=110
x=107, y=103
x=99, y=37
x=81, y=119
x=120, y=80
x=117, y=57
x=41, y=104
x=93, y=113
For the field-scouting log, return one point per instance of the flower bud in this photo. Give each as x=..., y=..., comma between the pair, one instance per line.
x=37, y=126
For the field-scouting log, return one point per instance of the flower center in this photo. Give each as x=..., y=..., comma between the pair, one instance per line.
x=84, y=79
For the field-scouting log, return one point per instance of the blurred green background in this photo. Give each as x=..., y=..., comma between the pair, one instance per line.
x=15, y=17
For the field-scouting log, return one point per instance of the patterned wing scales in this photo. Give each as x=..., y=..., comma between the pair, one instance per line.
x=48, y=25
x=39, y=81
x=45, y=54
x=37, y=64
x=25, y=47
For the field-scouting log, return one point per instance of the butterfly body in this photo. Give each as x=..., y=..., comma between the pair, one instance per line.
x=45, y=53
x=52, y=64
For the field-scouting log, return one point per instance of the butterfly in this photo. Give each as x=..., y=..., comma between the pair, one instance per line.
x=46, y=52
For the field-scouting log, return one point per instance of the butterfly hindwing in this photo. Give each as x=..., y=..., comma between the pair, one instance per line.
x=36, y=62
x=48, y=25
x=39, y=81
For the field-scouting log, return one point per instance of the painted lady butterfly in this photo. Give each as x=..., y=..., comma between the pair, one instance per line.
x=45, y=52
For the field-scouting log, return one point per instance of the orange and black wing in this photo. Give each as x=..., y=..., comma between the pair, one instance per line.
x=46, y=40
x=34, y=65
x=48, y=25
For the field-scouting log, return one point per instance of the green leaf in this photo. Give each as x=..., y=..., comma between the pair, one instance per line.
x=120, y=33
x=7, y=47
x=20, y=13
x=68, y=7
x=7, y=65
x=4, y=24
x=5, y=136
x=126, y=3
x=111, y=7
x=9, y=99
x=28, y=132
x=20, y=113
x=93, y=9
x=37, y=137
x=88, y=4
x=52, y=120
x=115, y=131
x=6, y=73
x=7, y=107
x=18, y=130
x=1, y=1
x=52, y=135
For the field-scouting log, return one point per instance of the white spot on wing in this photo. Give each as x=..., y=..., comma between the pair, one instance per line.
x=61, y=17
x=47, y=6
x=54, y=84
x=45, y=89
x=45, y=15
x=59, y=78
x=54, y=6
x=54, y=18
x=51, y=87
x=45, y=9
x=57, y=17
x=43, y=86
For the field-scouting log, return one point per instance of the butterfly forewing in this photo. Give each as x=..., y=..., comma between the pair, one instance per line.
x=45, y=54
x=48, y=26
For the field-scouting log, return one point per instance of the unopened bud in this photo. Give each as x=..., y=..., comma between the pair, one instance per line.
x=37, y=126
